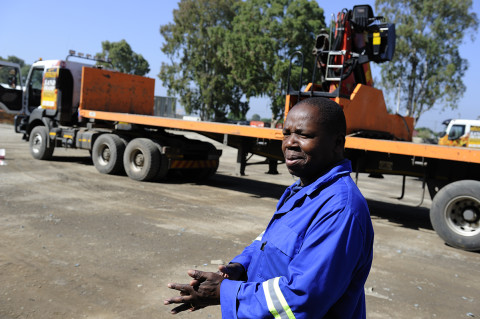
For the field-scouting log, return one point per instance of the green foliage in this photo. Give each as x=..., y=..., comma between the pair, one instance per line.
x=123, y=58
x=24, y=68
x=224, y=52
x=14, y=59
x=265, y=34
x=427, y=135
x=235, y=117
x=255, y=117
x=197, y=73
x=425, y=132
x=427, y=65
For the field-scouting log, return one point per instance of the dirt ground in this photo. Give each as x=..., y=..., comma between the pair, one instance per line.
x=78, y=244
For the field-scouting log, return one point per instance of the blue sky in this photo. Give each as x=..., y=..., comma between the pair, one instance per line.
x=48, y=29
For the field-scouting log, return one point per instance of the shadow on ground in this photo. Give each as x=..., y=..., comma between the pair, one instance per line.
x=404, y=215
x=85, y=160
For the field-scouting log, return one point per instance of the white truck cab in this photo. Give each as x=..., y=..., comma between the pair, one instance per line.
x=40, y=76
x=52, y=89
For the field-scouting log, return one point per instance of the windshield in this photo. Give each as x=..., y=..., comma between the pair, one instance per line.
x=456, y=131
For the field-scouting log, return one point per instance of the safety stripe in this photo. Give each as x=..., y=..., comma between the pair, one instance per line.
x=277, y=305
x=193, y=163
x=282, y=299
x=259, y=237
x=268, y=298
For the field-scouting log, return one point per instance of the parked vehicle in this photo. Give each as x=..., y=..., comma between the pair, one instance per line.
x=460, y=132
x=49, y=116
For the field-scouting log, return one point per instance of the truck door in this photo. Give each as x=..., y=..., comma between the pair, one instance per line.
x=11, y=90
x=34, y=88
x=474, y=138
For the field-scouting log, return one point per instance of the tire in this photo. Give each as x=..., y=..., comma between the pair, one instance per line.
x=455, y=214
x=107, y=154
x=141, y=159
x=38, y=143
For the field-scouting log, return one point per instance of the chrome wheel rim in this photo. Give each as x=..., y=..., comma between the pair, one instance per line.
x=37, y=143
x=137, y=160
x=463, y=215
x=104, y=155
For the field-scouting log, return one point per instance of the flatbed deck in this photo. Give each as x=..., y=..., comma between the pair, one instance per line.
x=365, y=144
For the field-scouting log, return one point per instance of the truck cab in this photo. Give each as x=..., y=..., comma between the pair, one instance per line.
x=57, y=108
x=51, y=91
x=461, y=132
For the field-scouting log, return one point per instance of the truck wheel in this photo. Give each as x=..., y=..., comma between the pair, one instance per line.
x=38, y=143
x=455, y=214
x=107, y=154
x=141, y=159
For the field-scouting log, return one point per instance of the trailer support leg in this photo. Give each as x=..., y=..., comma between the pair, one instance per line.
x=241, y=160
x=272, y=166
x=403, y=188
x=423, y=192
x=424, y=179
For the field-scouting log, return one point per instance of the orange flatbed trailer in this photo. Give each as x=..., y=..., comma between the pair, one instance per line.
x=198, y=126
x=357, y=143
x=451, y=174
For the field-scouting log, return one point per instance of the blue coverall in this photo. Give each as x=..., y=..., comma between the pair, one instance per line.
x=313, y=259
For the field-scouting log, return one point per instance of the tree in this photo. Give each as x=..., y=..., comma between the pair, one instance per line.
x=123, y=58
x=427, y=68
x=427, y=135
x=265, y=34
x=235, y=117
x=197, y=73
x=255, y=117
x=24, y=68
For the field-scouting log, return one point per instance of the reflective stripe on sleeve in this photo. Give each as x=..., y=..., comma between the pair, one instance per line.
x=259, y=237
x=277, y=305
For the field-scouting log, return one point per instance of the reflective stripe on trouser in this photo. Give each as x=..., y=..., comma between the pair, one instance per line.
x=277, y=305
